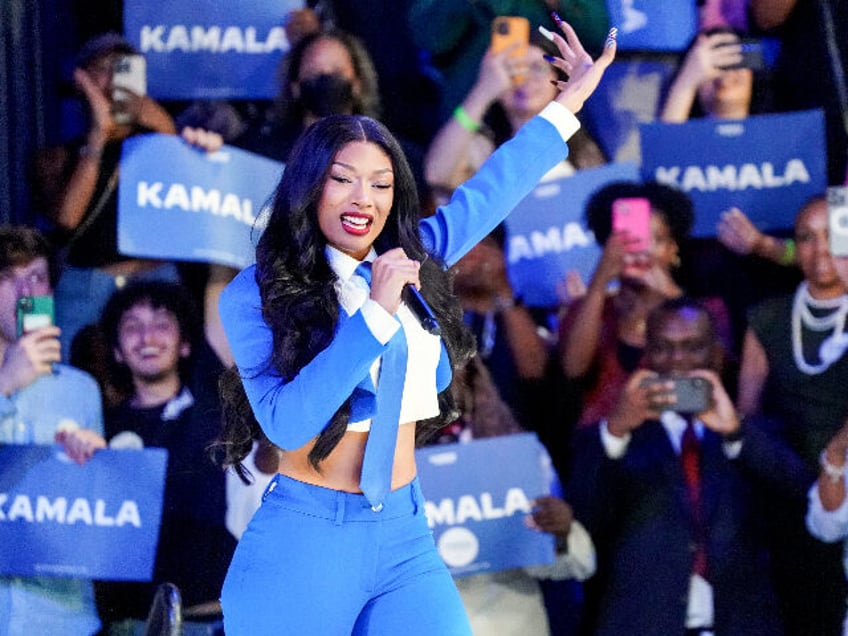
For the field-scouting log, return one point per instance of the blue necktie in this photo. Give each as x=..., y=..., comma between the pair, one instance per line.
x=376, y=476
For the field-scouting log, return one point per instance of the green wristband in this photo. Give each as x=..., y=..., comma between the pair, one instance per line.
x=464, y=120
x=788, y=253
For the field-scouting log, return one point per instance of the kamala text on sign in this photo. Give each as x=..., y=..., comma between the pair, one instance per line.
x=214, y=39
x=209, y=49
x=50, y=506
x=161, y=196
x=204, y=207
x=43, y=509
x=476, y=497
x=766, y=165
x=547, y=234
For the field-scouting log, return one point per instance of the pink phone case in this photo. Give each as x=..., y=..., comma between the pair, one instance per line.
x=633, y=216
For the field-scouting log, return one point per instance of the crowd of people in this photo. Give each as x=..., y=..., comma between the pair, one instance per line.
x=285, y=507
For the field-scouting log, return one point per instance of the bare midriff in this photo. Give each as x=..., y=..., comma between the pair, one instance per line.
x=340, y=470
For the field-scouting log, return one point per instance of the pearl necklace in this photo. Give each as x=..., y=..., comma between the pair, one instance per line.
x=834, y=345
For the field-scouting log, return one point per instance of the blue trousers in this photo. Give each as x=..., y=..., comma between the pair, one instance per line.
x=321, y=562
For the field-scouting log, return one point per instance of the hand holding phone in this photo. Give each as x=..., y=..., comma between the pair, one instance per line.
x=751, y=50
x=508, y=31
x=633, y=217
x=692, y=394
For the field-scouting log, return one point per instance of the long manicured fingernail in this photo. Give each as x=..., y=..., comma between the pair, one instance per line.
x=556, y=18
x=613, y=33
x=549, y=58
x=547, y=34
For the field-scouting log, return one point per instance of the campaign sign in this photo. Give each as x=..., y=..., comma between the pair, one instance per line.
x=629, y=95
x=96, y=521
x=476, y=497
x=547, y=234
x=653, y=26
x=177, y=202
x=208, y=49
x=766, y=165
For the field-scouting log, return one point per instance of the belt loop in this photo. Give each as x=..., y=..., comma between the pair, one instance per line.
x=340, y=508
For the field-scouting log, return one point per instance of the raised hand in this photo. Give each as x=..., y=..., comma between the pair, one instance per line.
x=737, y=233
x=203, y=139
x=721, y=417
x=584, y=74
x=102, y=123
x=709, y=55
x=643, y=398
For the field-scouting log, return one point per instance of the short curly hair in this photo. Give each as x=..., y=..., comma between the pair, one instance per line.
x=672, y=204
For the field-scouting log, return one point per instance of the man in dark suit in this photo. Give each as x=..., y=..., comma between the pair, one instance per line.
x=670, y=497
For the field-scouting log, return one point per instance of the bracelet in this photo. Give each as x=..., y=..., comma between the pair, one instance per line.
x=834, y=473
x=788, y=256
x=464, y=120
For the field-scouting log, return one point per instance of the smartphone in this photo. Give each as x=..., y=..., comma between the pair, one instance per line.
x=752, y=55
x=633, y=216
x=129, y=80
x=508, y=30
x=837, y=219
x=34, y=312
x=692, y=394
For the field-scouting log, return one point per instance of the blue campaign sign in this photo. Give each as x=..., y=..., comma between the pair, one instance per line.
x=629, y=95
x=766, y=165
x=653, y=26
x=177, y=202
x=547, y=234
x=96, y=521
x=476, y=497
x=208, y=49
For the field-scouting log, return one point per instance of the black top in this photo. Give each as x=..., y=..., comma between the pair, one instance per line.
x=195, y=548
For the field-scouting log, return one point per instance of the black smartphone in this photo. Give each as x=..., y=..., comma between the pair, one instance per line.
x=752, y=55
x=692, y=394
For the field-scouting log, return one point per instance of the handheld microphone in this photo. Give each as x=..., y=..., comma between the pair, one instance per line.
x=415, y=301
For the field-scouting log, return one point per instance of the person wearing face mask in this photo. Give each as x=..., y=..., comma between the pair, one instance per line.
x=327, y=72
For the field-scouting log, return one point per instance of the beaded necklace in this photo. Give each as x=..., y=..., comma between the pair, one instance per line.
x=834, y=346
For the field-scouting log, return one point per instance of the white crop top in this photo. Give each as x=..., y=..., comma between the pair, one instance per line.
x=423, y=348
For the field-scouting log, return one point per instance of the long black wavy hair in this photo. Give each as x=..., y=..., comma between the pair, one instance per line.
x=296, y=283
